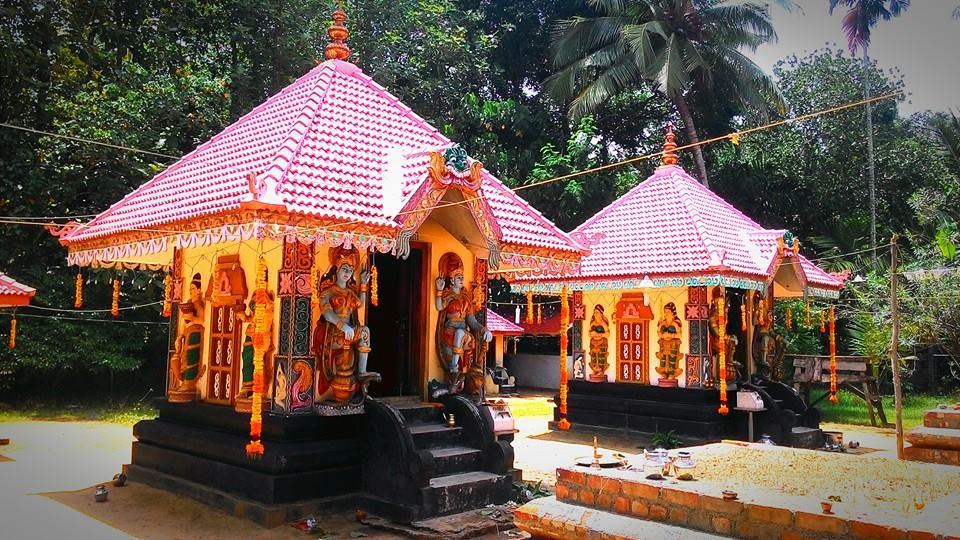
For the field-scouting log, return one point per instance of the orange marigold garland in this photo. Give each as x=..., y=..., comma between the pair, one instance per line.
x=314, y=286
x=255, y=446
x=789, y=322
x=823, y=321
x=13, y=333
x=529, y=318
x=833, y=357
x=806, y=318
x=78, y=291
x=374, y=287
x=743, y=313
x=722, y=354
x=167, y=295
x=115, y=304
x=564, y=320
x=539, y=313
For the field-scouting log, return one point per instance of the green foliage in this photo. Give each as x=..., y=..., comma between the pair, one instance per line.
x=668, y=440
x=851, y=409
x=800, y=339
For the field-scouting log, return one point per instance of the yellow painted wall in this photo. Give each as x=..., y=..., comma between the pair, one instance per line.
x=202, y=260
x=658, y=298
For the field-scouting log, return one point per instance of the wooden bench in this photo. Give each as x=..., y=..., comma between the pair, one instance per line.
x=853, y=373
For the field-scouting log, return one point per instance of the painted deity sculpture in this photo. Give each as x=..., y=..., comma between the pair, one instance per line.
x=186, y=366
x=341, y=344
x=599, y=343
x=768, y=346
x=456, y=323
x=733, y=368
x=246, y=353
x=668, y=338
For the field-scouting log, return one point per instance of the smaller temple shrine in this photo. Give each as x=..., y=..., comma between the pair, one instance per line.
x=673, y=310
x=14, y=293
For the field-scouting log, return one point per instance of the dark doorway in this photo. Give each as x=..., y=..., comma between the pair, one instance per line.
x=398, y=326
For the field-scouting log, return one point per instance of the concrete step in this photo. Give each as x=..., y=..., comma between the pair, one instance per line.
x=455, y=493
x=549, y=518
x=456, y=459
x=805, y=437
x=420, y=413
x=931, y=437
x=435, y=435
x=942, y=418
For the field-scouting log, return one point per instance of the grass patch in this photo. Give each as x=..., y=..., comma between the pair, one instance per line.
x=115, y=414
x=853, y=410
x=531, y=407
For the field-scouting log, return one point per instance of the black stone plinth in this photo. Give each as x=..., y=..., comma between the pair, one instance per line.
x=305, y=457
x=649, y=409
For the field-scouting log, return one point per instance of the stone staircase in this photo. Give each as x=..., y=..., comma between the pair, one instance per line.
x=789, y=420
x=421, y=468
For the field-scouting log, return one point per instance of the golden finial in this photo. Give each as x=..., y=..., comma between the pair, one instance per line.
x=337, y=49
x=669, y=145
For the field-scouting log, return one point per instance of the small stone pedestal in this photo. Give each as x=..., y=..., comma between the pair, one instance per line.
x=667, y=383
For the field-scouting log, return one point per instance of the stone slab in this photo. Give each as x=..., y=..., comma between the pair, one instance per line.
x=932, y=455
x=931, y=437
x=550, y=518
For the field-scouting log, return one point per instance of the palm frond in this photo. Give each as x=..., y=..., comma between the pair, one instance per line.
x=758, y=89
x=574, y=38
x=744, y=18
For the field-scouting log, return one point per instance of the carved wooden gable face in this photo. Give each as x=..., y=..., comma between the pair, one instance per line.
x=228, y=285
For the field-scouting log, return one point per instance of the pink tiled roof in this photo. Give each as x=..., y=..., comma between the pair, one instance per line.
x=671, y=225
x=501, y=326
x=14, y=291
x=328, y=145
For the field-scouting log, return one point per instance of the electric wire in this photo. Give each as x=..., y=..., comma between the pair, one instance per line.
x=88, y=141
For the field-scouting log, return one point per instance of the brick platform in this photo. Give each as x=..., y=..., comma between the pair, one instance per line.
x=699, y=505
x=938, y=440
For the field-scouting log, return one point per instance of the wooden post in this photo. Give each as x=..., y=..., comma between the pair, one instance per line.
x=894, y=343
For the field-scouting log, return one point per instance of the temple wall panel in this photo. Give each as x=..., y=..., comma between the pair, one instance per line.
x=657, y=298
x=202, y=260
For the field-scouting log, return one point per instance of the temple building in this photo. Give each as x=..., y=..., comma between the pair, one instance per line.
x=328, y=249
x=675, y=302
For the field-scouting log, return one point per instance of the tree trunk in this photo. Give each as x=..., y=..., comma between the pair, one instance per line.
x=871, y=177
x=681, y=105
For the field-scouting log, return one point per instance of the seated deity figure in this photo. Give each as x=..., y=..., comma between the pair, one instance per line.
x=668, y=333
x=455, y=342
x=246, y=353
x=341, y=344
x=185, y=366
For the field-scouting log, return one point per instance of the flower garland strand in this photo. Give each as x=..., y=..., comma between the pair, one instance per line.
x=167, y=295
x=789, y=322
x=78, y=291
x=806, y=318
x=539, y=313
x=529, y=318
x=255, y=446
x=833, y=357
x=743, y=313
x=314, y=286
x=823, y=321
x=564, y=424
x=115, y=303
x=374, y=287
x=722, y=354
x=13, y=333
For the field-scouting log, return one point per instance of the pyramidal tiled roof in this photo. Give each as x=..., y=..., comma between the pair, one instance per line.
x=334, y=144
x=671, y=225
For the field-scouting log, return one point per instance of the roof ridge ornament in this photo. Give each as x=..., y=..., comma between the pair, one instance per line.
x=668, y=156
x=337, y=49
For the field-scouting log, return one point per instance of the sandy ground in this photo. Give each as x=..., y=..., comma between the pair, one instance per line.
x=48, y=471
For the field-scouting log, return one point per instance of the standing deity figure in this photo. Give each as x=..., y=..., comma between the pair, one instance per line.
x=456, y=344
x=341, y=344
x=185, y=366
x=599, y=343
x=668, y=334
x=764, y=339
x=246, y=353
x=733, y=368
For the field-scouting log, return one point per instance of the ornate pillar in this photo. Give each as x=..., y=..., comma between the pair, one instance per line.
x=176, y=296
x=294, y=371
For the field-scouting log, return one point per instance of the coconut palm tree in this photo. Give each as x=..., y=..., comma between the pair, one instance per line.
x=675, y=46
x=861, y=17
